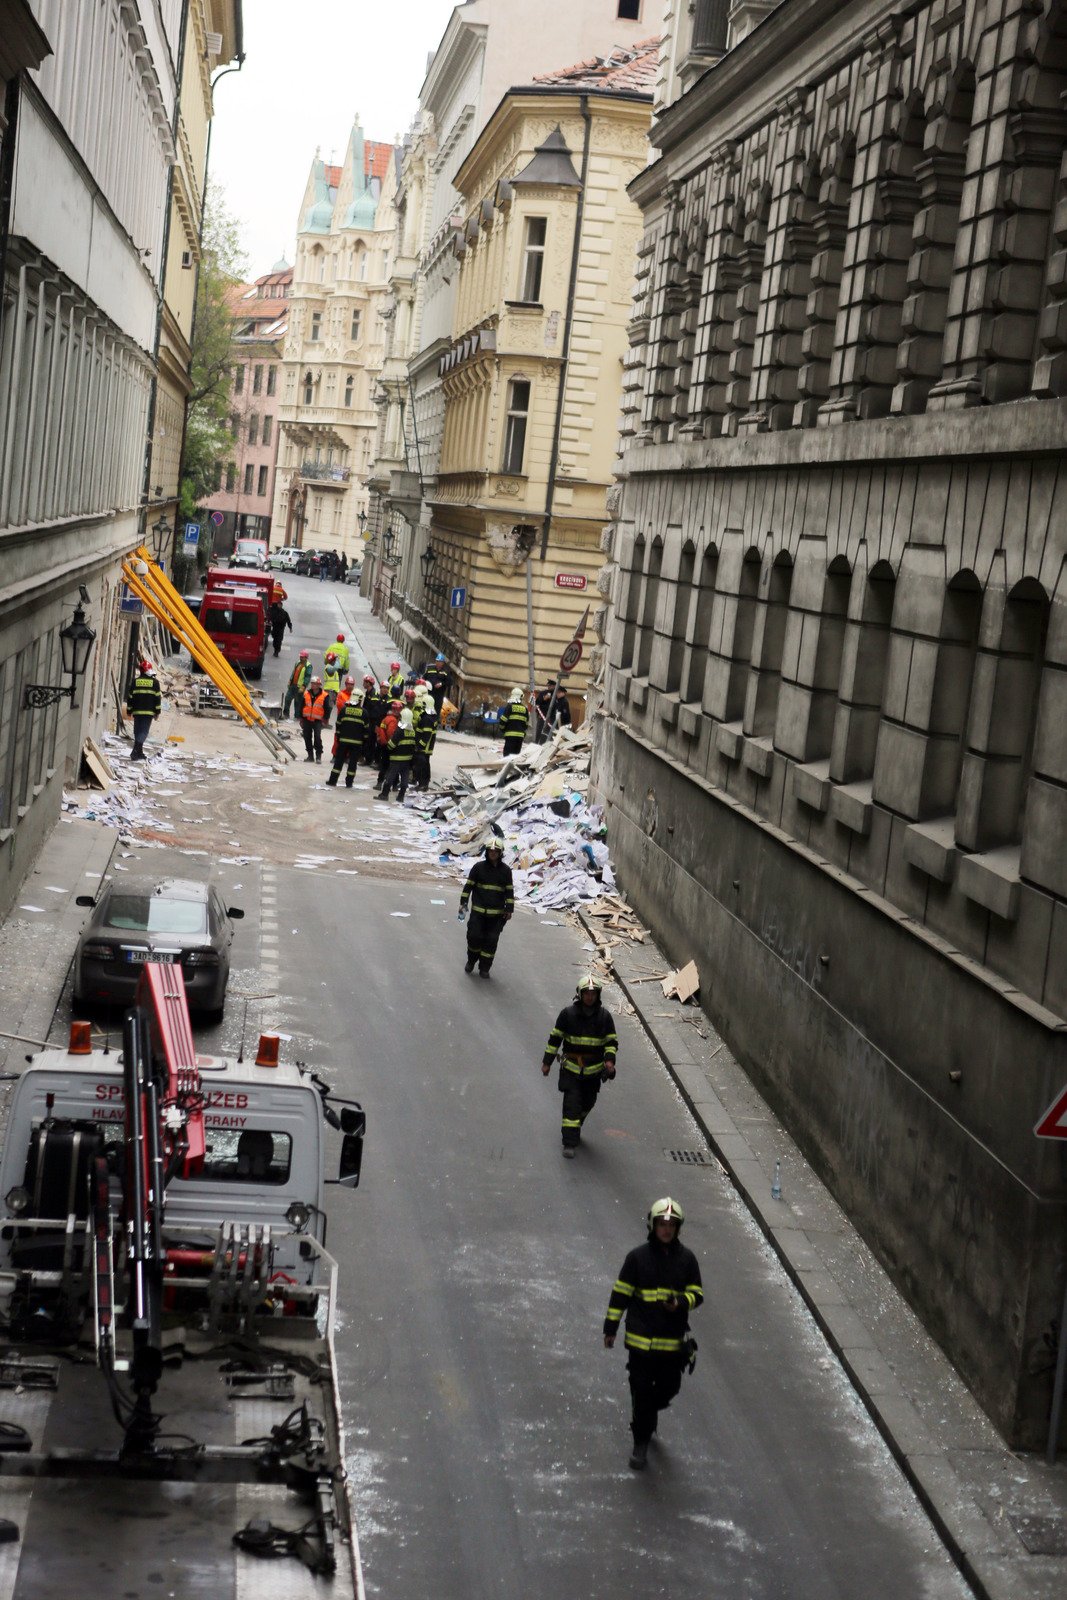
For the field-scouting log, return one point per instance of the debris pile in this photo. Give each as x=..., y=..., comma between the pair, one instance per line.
x=537, y=804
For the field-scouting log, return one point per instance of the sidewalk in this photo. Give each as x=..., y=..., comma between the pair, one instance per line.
x=1003, y=1515
x=373, y=646
x=38, y=939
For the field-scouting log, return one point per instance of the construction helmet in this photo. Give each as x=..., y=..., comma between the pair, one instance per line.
x=304, y=654
x=396, y=705
x=350, y=682
x=665, y=1210
x=146, y=665
x=409, y=693
x=394, y=666
x=587, y=982
x=439, y=656
x=340, y=638
x=317, y=680
x=330, y=656
x=368, y=677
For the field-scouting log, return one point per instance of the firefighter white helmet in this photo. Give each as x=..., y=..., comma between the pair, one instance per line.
x=665, y=1210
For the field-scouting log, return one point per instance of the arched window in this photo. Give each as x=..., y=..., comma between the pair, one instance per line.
x=631, y=608
x=350, y=383
x=683, y=594
x=998, y=760
x=863, y=680
x=826, y=678
x=765, y=679
x=309, y=388
x=961, y=618
x=649, y=604
x=700, y=626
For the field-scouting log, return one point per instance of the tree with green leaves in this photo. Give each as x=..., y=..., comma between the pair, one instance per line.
x=208, y=443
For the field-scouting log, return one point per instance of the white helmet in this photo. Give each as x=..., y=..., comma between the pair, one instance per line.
x=515, y=696
x=665, y=1210
x=406, y=719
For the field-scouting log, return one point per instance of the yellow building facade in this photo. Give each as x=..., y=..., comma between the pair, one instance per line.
x=533, y=376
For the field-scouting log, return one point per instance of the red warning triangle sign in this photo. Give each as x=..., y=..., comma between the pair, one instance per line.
x=1053, y=1124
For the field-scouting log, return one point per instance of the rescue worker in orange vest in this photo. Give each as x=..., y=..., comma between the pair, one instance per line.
x=314, y=715
x=342, y=700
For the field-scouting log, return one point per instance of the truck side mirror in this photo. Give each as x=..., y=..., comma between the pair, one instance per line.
x=353, y=1120
x=234, y=913
x=351, y=1160
x=85, y=900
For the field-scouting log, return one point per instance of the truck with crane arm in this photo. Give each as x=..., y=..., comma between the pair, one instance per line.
x=169, y=1410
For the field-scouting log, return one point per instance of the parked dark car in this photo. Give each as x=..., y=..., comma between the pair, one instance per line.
x=308, y=563
x=176, y=920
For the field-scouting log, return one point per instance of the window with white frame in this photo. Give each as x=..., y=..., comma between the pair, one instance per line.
x=267, y=424
x=353, y=333
x=309, y=388
x=316, y=326
x=533, y=258
x=249, y=478
x=629, y=10
x=261, y=487
x=518, y=416
x=272, y=379
x=350, y=384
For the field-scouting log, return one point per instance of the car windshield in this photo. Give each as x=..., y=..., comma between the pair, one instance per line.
x=153, y=913
x=249, y=547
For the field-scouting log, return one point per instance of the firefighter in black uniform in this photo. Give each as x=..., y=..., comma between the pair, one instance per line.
x=350, y=731
x=400, y=752
x=587, y=1044
x=657, y=1288
x=144, y=703
x=514, y=721
x=491, y=895
x=425, y=739
x=373, y=711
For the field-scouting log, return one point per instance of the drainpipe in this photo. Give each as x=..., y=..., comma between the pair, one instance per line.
x=553, y=466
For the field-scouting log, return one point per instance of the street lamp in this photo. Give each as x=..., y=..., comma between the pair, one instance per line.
x=387, y=544
x=426, y=562
x=362, y=520
x=161, y=533
x=75, y=642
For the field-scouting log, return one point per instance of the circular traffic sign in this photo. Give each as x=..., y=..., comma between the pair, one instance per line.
x=218, y=518
x=571, y=656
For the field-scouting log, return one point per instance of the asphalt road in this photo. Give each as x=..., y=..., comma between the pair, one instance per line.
x=487, y=1424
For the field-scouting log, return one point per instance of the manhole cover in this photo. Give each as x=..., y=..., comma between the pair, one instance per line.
x=692, y=1158
x=1042, y=1536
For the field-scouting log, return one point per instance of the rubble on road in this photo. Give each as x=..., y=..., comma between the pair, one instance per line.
x=537, y=804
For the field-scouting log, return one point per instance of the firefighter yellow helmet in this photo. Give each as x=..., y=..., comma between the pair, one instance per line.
x=587, y=982
x=665, y=1210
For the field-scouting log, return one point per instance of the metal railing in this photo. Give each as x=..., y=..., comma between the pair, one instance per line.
x=324, y=471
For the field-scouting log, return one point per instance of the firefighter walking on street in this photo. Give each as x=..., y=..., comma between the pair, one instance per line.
x=584, y=1038
x=514, y=721
x=144, y=703
x=657, y=1288
x=491, y=895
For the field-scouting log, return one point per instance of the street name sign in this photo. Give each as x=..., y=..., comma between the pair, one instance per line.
x=1053, y=1124
x=458, y=599
x=570, y=580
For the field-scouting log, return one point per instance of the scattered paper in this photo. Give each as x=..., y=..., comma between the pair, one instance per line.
x=400, y=913
x=41, y=908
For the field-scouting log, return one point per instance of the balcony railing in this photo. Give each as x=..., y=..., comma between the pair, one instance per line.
x=324, y=472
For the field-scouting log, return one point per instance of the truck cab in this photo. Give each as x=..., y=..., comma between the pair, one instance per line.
x=236, y=621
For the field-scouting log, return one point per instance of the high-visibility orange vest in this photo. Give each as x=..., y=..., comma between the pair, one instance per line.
x=314, y=709
x=342, y=700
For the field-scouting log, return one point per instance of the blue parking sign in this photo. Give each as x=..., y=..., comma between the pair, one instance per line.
x=459, y=599
x=192, y=533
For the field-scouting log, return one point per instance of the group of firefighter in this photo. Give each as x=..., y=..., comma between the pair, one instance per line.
x=390, y=725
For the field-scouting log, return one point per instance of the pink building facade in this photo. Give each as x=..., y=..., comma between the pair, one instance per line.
x=246, y=489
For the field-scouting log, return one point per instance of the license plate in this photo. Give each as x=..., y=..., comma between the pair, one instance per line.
x=138, y=956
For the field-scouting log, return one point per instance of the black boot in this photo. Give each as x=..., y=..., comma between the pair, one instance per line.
x=331, y=781
x=470, y=963
x=639, y=1456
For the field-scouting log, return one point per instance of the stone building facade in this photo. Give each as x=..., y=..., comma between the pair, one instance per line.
x=245, y=493
x=835, y=686
x=487, y=47
x=93, y=112
x=334, y=349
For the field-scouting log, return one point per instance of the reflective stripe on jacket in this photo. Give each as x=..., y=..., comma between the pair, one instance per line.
x=144, y=699
x=489, y=889
x=350, y=725
x=650, y=1275
x=515, y=721
x=586, y=1040
x=401, y=747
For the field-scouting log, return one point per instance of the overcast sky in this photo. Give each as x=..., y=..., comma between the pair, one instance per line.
x=310, y=67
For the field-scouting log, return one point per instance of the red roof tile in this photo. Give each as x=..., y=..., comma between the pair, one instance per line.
x=376, y=158
x=629, y=69
x=333, y=177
